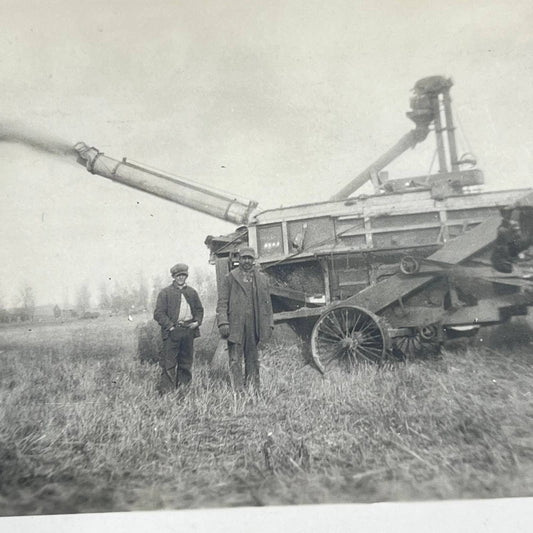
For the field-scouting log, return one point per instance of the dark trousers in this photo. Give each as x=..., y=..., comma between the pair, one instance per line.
x=177, y=359
x=244, y=352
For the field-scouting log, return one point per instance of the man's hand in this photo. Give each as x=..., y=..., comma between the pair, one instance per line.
x=224, y=331
x=193, y=325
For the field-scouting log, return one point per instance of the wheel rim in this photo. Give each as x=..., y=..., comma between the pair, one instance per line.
x=347, y=335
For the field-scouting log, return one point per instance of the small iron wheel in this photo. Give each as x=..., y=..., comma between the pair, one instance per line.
x=409, y=265
x=347, y=335
x=422, y=341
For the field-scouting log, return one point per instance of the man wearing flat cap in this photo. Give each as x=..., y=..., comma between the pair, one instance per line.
x=179, y=312
x=244, y=318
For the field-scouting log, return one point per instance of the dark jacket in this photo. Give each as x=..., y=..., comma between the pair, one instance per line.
x=232, y=300
x=508, y=244
x=168, y=305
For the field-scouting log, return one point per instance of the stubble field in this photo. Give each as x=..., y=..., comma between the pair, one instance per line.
x=82, y=428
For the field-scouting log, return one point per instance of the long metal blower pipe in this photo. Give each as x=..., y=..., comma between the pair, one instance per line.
x=210, y=201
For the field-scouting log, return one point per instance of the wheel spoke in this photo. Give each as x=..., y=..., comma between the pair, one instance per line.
x=346, y=323
x=333, y=357
x=339, y=325
x=371, y=333
x=367, y=355
x=369, y=349
x=357, y=318
x=335, y=325
x=330, y=340
x=368, y=326
x=346, y=320
x=371, y=341
x=329, y=334
x=326, y=328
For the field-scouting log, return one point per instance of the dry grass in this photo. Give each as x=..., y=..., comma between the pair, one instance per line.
x=82, y=428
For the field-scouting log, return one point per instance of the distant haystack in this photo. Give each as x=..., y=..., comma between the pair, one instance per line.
x=149, y=342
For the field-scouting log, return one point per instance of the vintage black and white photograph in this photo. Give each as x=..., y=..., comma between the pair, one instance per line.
x=265, y=254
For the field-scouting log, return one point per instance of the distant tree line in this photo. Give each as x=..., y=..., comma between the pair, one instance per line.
x=117, y=298
x=122, y=298
x=25, y=309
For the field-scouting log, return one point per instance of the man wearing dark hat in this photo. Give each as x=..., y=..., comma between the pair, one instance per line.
x=179, y=312
x=244, y=318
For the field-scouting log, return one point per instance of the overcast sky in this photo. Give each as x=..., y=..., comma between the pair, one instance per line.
x=281, y=101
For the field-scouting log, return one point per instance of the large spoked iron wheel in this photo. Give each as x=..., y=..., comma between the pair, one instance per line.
x=346, y=335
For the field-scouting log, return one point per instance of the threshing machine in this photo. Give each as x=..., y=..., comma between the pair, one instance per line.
x=397, y=271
